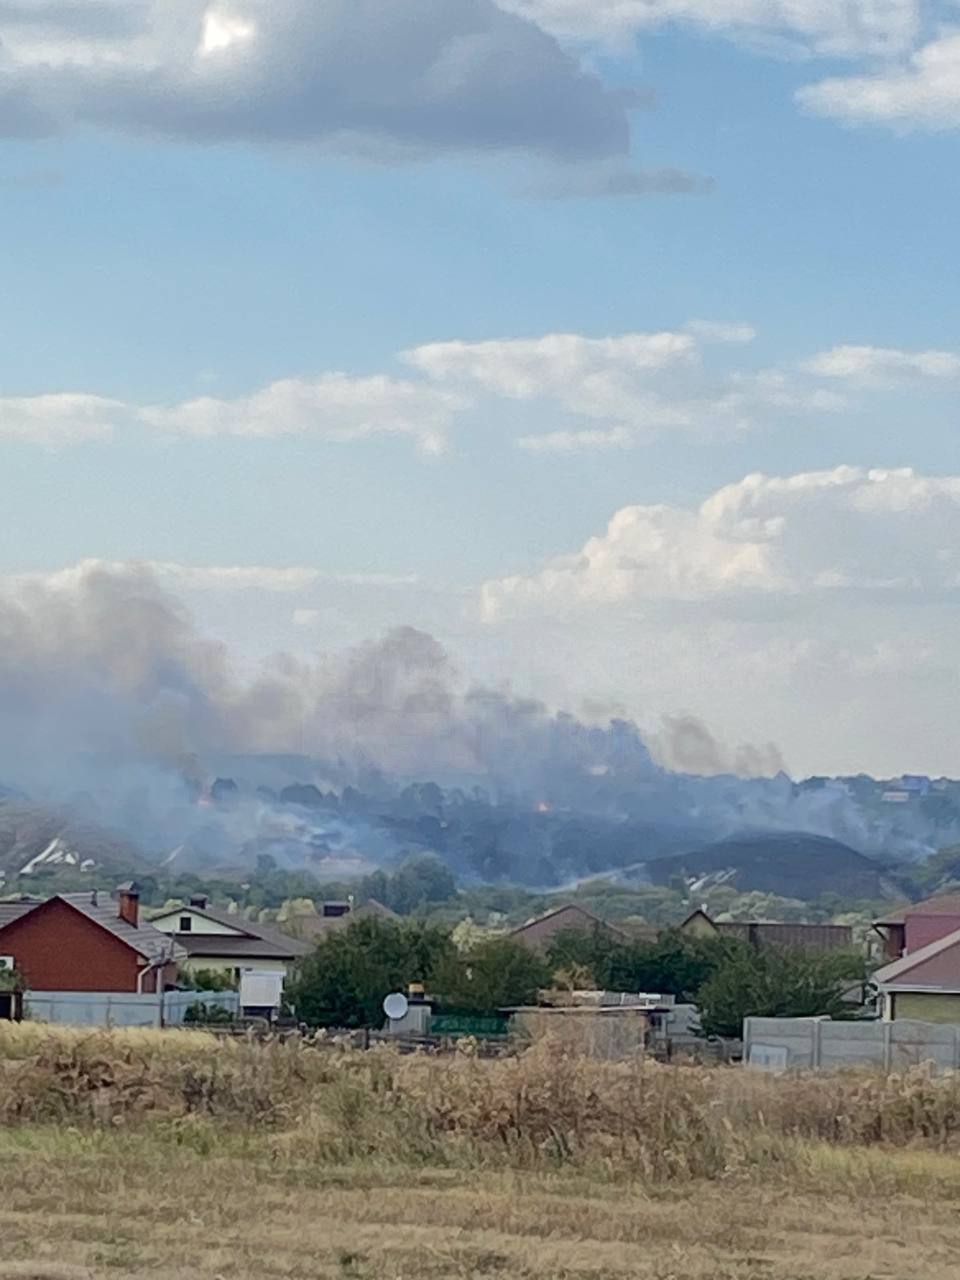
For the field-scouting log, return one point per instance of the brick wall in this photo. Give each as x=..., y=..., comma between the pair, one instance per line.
x=56, y=948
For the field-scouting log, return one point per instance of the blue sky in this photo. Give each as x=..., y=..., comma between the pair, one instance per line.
x=171, y=240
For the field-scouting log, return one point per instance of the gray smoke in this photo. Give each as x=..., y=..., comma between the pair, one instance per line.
x=110, y=697
x=686, y=744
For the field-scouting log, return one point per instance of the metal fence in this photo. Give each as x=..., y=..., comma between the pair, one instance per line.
x=780, y=1044
x=122, y=1009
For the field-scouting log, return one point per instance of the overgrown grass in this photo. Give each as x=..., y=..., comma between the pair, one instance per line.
x=161, y=1155
x=544, y=1109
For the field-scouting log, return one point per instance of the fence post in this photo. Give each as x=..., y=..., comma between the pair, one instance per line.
x=816, y=1048
x=887, y=1045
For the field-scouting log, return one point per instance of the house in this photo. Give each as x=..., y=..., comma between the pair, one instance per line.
x=86, y=942
x=226, y=943
x=773, y=934
x=911, y=927
x=539, y=932
x=333, y=916
x=924, y=983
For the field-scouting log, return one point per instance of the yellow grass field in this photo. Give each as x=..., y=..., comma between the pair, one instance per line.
x=166, y=1155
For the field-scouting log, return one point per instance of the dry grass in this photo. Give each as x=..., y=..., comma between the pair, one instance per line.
x=136, y=1155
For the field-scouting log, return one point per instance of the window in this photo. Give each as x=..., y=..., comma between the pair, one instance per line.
x=186, y=924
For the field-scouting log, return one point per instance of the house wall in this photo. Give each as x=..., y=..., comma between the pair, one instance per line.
x=927, y=1006
x=58, y=949
x=170, y=923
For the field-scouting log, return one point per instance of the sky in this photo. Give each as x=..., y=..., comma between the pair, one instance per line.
x=613, y=342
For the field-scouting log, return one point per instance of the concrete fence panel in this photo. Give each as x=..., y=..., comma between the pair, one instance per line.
x=820, y=1044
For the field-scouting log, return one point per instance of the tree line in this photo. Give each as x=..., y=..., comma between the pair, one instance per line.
x=344, y=979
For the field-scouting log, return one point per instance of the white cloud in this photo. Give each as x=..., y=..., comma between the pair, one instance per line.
x=334, y=407
x=635, y=384
x=360, y=76
x=587, y=373
x=58, y=418
x=924, y=93
x=844, y=28
x=844, y=530
x=884, y=364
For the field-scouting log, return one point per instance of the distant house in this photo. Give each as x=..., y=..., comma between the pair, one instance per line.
x=770, y=934
x=540, y=932
x=913, y=926
x=87, y=942
x=331, y=917
x=923, y=984
x=226, y=943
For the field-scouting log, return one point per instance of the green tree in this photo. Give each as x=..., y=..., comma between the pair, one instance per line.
x=494, y=974
x=343, y=981
x=673, y=965
x=776, y=984
x=420, y=882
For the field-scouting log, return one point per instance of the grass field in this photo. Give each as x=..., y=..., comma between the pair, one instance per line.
x=140, y=1155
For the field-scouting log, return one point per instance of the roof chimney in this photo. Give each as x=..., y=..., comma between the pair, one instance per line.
x=199, y=900
x=128, y=903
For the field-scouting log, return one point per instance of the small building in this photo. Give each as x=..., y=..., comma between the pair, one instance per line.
x=86, y=942
x=906, y=929
x=539, y=932
x=762, y=934
x=923, y=984
x=226, y=943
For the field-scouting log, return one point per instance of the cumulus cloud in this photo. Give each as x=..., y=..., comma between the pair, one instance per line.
x=842, y=28
x=924, y=93
x=845, y=530
x=384, y=77
x=884, y=364
x=635, y=384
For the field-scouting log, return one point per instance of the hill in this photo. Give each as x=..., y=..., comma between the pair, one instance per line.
x=792, y=865
x=34, y=836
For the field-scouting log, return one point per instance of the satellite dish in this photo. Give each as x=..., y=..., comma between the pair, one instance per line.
x=395, y=1006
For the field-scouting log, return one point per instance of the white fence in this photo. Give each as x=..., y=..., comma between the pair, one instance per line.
x=119, y=1009
x=780, y=1044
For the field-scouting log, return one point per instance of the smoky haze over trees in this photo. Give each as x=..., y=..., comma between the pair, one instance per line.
x=116, y=711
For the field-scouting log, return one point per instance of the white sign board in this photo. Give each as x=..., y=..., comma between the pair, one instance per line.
x=768, y=1057
x=261, y=989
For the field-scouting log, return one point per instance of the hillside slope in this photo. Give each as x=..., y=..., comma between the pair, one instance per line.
x=792, y=865
x=34, y=835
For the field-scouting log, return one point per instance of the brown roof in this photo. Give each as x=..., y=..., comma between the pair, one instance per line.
x=223, y=944
x=931, y=966
x=941, y=904
x=249, y=939
x=102, y=910
x=569, y=916
x=312, y=927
